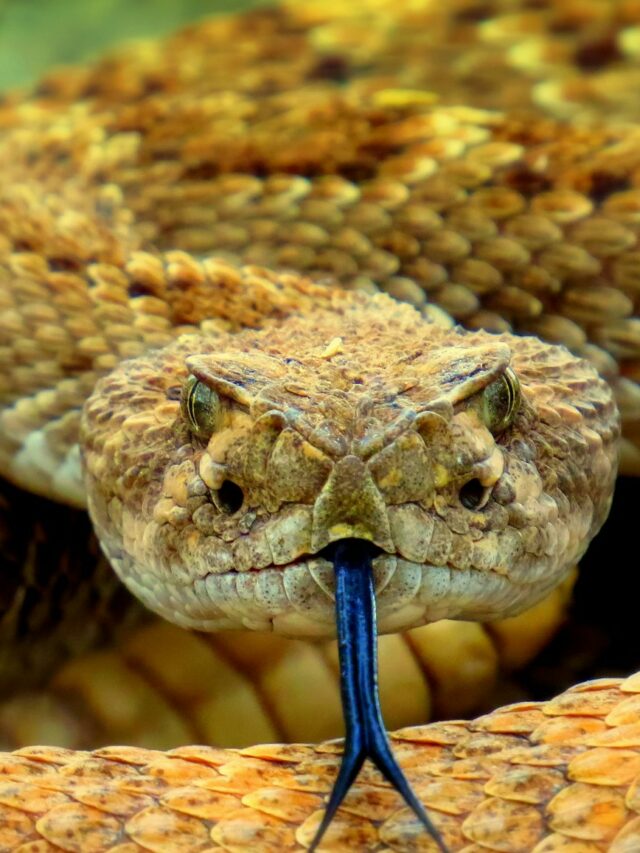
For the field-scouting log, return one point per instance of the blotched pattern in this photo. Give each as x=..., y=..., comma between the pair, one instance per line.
x=332, y=142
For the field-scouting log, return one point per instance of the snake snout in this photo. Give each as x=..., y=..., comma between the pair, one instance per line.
x=350, y=506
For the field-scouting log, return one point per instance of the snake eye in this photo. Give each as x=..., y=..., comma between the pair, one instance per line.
x=501, y=401
x=201, y=407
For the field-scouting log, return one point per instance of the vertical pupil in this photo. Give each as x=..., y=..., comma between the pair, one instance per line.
x=199, y=406
x=193, y=408
x=500, y=398
x=506, y=399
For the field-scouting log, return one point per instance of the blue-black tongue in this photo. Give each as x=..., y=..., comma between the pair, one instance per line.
x=366, y=736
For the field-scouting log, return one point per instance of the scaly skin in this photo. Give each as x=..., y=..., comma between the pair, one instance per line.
x=530, y=778
x=361, y=420
x=307, y=139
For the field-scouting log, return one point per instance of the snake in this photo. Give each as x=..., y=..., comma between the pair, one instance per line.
x=319, y=273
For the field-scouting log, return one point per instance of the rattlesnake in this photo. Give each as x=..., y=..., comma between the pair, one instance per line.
x=160, y=207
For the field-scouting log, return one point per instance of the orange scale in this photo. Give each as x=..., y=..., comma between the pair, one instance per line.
x=632, y=799
x=451, y=796
x=288, y=805
x=566, y=730
x=628, y=711
x=416, y=756
x=526, y=785
x=115, y=802
x=79, y=829
x=47, y=754
x=160, y=829
x=596, y=703
x=42, y=846
x=375, y=804
x=403, y=833
x=16, y=768
x=128, y=754
x=542, y=756
x=470, y=768
x=628, y=839
x=30, y=798
x=15, y=826
x=94, y=769
x=556, y=843
x=201, y=803
x=207, y=755
x=176, y=771
x=481, y=744
x=251, y=830
x=587, y=812
x=622, y=735
x=440, y=734
x=520, y=719
x=605, y=767
x=277, y=752
x=140, y=784
x=501, y=825
x=631, y=684
x=252, y=773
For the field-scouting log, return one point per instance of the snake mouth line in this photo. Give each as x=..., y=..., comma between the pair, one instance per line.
x=320, y=566
x=324, y=557
x=306, y=558
x=298, y=598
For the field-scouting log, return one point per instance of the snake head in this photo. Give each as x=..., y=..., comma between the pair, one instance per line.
x=220, y=468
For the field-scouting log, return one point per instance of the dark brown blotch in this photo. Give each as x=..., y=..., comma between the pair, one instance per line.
x=605, y=184
x=475, y=13
x=139, y=288
x=597, y=54
x=201, y=172
x=333, y=67
x=527, y=182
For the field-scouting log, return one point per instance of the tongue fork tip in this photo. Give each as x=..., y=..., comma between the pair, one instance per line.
x=366, y=736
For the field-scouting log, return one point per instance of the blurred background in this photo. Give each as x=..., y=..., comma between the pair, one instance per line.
x=36, y=34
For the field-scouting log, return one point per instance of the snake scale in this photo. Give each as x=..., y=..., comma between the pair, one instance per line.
x=199, y=239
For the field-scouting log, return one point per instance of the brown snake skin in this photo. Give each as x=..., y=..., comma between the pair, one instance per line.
x=309, y=139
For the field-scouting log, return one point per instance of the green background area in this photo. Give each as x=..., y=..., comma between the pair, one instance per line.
x=38, y=34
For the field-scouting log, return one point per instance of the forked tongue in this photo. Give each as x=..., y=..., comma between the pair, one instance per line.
x=366, y=736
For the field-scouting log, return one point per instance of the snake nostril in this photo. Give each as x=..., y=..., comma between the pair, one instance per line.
x=473, y=495
x=230, y=497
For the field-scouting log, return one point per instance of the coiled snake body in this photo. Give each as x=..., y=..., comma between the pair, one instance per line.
x=174, y=225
